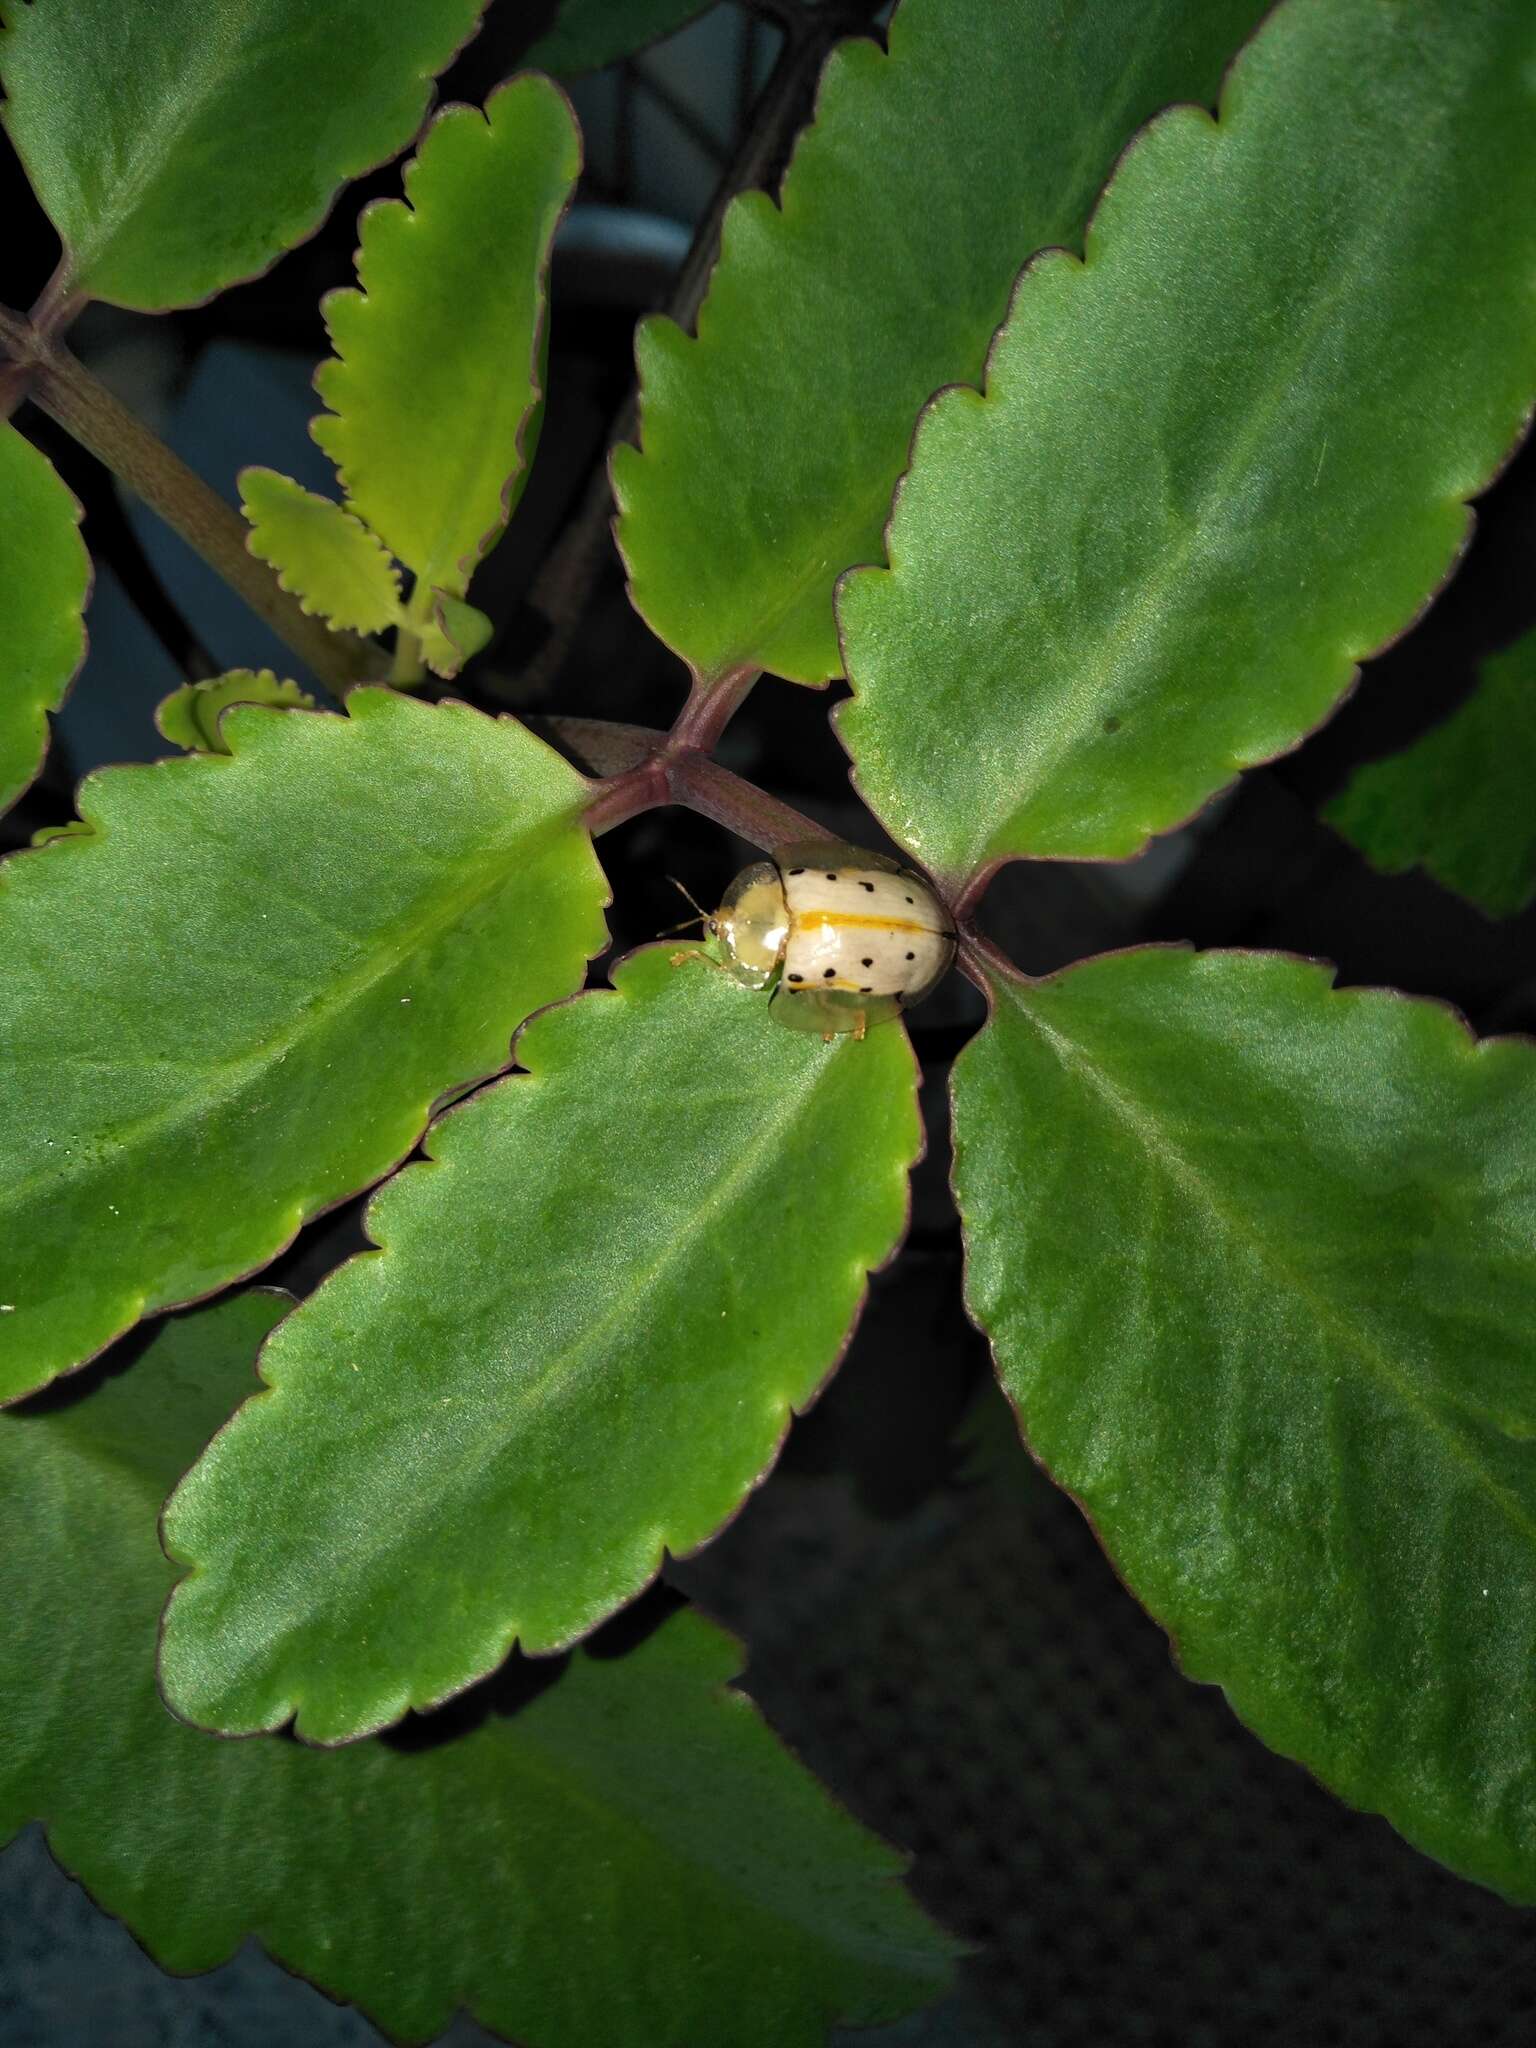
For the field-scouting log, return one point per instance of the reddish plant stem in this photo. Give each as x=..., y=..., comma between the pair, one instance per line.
x=712, y=704
x=714, y=792
x=667, y=774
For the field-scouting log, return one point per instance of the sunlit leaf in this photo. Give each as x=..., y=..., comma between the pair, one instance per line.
x=589, y=34
x=1258, y=1259
x=1458, y=803
x=629, y=1856
x=594, y=1313
x=236, y=1000
x=189, y=717
x=44, y=583
x=437, y=357
x=1222, y=461
x=771, y=444
x=323, y=554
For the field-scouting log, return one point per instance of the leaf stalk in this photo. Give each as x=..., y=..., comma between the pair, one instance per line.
x=62, y=387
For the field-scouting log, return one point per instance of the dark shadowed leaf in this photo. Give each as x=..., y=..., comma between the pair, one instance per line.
x=589, y=34
x=630, y=1856
x=1458, y=803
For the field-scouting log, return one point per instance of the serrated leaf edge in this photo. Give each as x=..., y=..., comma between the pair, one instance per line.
x=466, y=565
x=288, y=1716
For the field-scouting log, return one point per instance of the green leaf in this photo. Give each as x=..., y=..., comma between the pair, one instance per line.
x=1258, y=1260
x=235, y=1001
x=629, y=1856
x=1458, y=802
x=43, y=591
x=589, y=34
x=772, y=443
x=454, y=634
x=437, y=357
x=72, y=828
x=1222, y=461
x=580, y=1347
x=189, y=717
x=185, y=144
x=324, y=555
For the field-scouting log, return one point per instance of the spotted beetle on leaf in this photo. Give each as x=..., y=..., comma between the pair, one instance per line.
x=842, y=937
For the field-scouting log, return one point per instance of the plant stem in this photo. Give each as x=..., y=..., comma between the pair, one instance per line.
x=407, y=667
x=710, y=708
x=751, y=813
x=85, y=408
x=649, y=770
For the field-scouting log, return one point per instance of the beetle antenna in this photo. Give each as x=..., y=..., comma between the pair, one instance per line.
x=700, y=916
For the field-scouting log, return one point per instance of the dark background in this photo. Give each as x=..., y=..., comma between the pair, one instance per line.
x=930, y=1625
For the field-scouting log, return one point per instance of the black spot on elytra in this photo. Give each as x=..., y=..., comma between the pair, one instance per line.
x=911, y=956
x=801, y=977
x=830, y=975
x=833, y=876
x=909, y=899
x=866, y=963
x=871, y=888
x=866, y=991
x=797, y=871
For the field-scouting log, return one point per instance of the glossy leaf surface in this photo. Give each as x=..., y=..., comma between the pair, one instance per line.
x=589, y=34
x=190, y=716
x=772, y=442
x=437, y=364
x=628, y=1856
x=237, y=999
x=322, y=553
x=1258, y=1260
x=1458, y=803
x=580, y=1346
x=1223, y=461
x=182, y=145
x=43, y=588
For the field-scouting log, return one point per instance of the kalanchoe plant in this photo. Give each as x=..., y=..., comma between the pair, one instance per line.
x=1095, y=397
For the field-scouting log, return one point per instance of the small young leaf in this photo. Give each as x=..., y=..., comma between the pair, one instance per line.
x=43, y=590
x=437, y=357
x=589, y=34
x=630, y=1856
x=772, y=443
x=189, y=717
x=580, y=1346
x=325, y=556
x=180, y=146
x=72, y=828
x=1458, y=802
x=236, y=1000
x=454, y=633
x=1222, y=460
x=1258, y=1259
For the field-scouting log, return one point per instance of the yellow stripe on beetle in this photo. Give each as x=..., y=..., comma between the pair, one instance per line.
x=841, y=937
